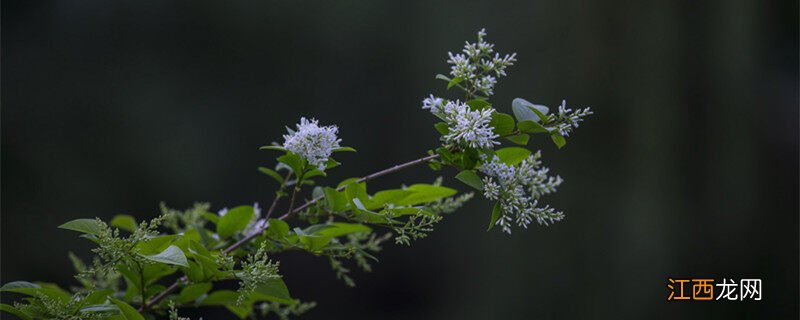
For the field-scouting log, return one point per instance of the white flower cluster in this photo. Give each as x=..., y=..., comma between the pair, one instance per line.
x=312, y=142
x=256, y=224
x=466, y=127
x=566, y=120
x=518, y=189
x=476, y=65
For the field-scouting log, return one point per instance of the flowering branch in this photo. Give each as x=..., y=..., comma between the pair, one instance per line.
x=160, y=296
x=340, y=222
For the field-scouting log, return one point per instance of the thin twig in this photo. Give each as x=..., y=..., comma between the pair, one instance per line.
x=278, y=196
x=252, y=236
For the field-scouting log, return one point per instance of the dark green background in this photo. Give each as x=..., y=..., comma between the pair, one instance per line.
x=689, y=168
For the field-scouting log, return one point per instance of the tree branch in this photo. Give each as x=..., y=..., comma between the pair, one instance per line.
x=249, y=238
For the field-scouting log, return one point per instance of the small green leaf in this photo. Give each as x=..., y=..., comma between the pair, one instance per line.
x=271, y=173
x=128, y=312
x=529, y=126
x=470, y=178
x=35, y=289
x=558, y=139
x=502, y=123
x=293, y=161
x=234, y=220
x=313, y=173
x=124, y=222
x=331, y=163
x=381, y=198
x=541, y=112
x=497, y=212
x=478, y=104
x=454, y=82
x=105, y=307
x=512, y=155
x=442, y=77
x=277, y=148
x=425, y=193
x=335, y=200
x=14, y=311
x=347, y=149
x=356, y=190
x=338, y=229
x=155, y=244
x=88, y=226
x=312, y=242
x=442, y=128
x=277, y=229
x=14, y=286
x=171, y=255
x=520, y=139
x=193, y=291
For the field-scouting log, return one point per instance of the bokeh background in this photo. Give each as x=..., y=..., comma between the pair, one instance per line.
x=689, y=168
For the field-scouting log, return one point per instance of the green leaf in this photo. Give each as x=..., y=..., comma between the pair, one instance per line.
x=293, y=161
x=356, y=190
x=335, y=200
x=520, y=139
x=312, y=242
x=338, y=229
x=88, y=226
x=98, y=297
x=313, y=173
x=541, y=112
x=172, y=255
x=512, y=155
x=425, y=193
x=277, y=229
x=100, y=307
x=442, y=128
x=15, y=286
x=454, y=82
x=442, y=77
x=497, y=212
x=234, y=220
x=128, y=312
x=34, y=289
x=478, y=104
x=271, y=173
x=277, y=148
x=124, y=222
x=529, y=126
x=502, y=123
x=273, y=290
x=14, y=311
x=470, y=178
x=155, y=244
x=105, y=307
x=193, y=291
x=347, y=149
x=381, y=198
x=558, y=139
x=331, y=163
